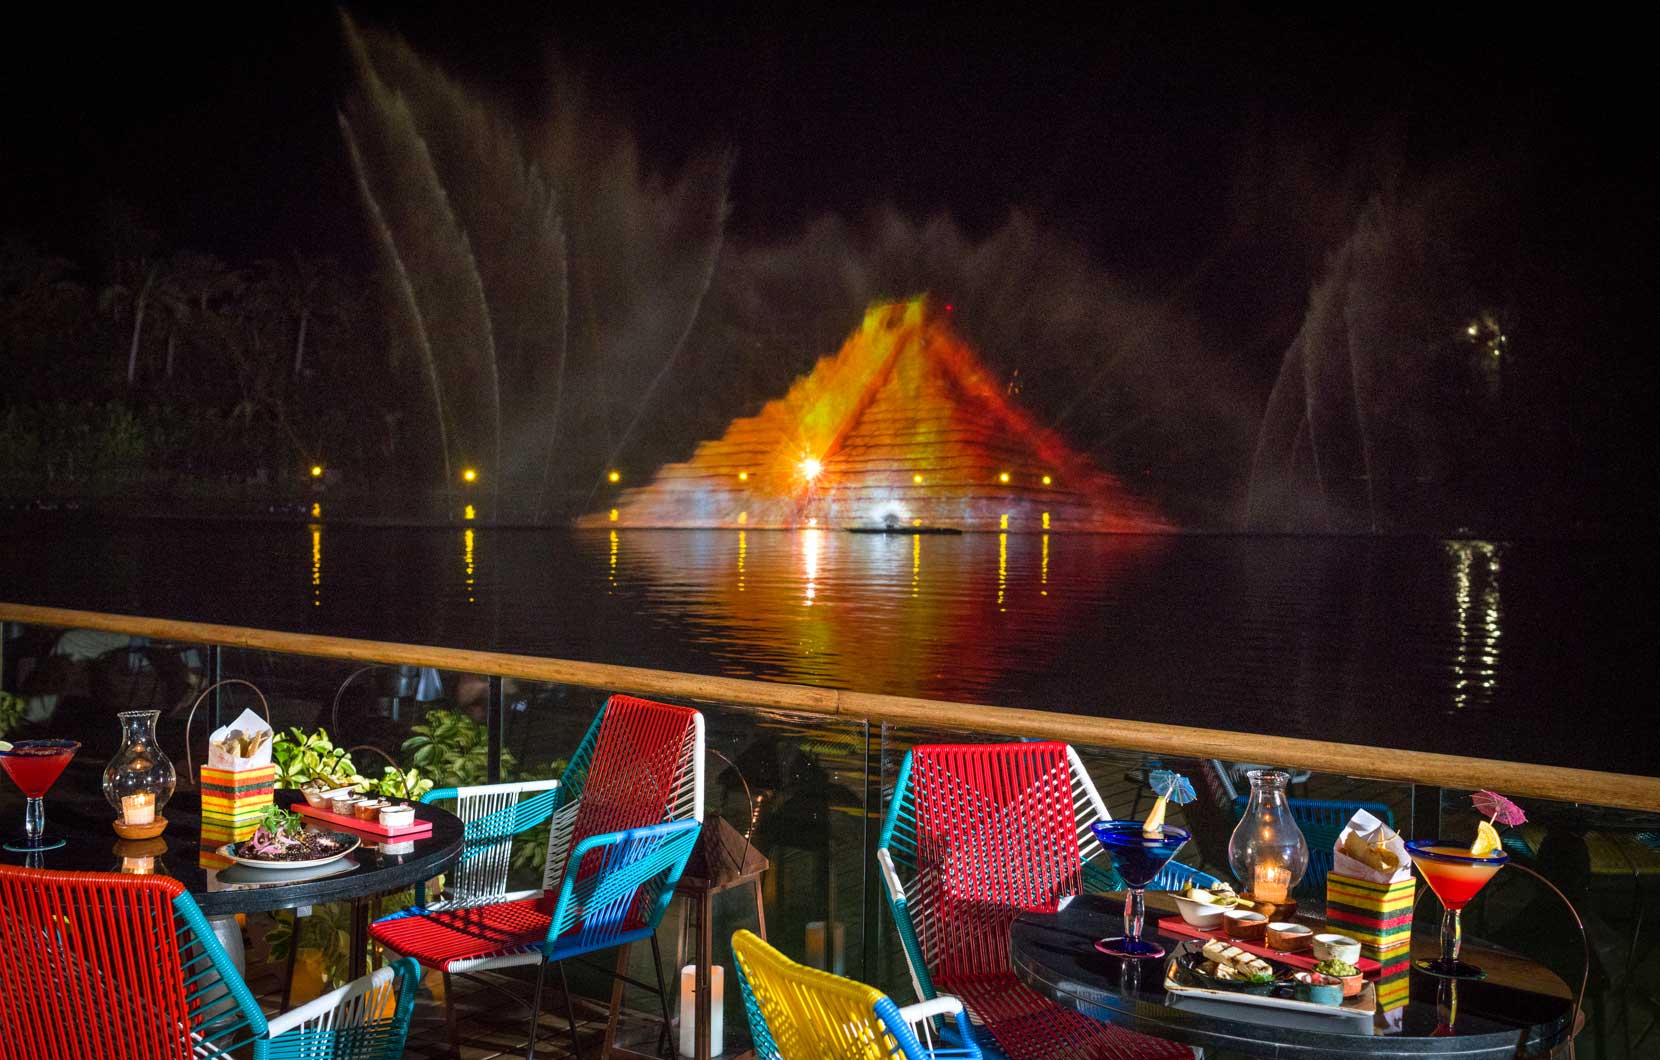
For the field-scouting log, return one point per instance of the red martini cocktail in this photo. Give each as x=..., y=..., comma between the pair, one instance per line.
x=1456, y=876
x=34, y=766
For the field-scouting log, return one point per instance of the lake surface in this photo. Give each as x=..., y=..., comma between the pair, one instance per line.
x=1536, y=651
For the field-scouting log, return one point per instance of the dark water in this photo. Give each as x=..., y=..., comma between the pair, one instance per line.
x=1534, y=651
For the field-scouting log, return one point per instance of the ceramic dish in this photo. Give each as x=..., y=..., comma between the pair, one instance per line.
x=1202, y=915
x=1289, y=937
x=350, y=843
x=1244, y=924
x=393, y=815
x=1320, y=989
x=1329, y=947
x=323, y=798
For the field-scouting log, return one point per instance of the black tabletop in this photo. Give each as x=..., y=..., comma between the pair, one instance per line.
x=76, y=810
x=1055, y=955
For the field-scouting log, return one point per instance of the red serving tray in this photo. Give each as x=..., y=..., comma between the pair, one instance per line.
x=1175, y=925
x=339, y=820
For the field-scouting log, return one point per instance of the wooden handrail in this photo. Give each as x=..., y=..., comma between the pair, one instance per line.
x=1558, y=783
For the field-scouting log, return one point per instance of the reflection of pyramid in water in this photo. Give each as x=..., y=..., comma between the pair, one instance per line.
x=902, y=427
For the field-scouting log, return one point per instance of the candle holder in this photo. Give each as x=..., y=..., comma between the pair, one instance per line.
x=1267, y=851
x=140, y=778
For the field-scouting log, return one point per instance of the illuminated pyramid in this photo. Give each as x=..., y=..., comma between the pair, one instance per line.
x=903, y=427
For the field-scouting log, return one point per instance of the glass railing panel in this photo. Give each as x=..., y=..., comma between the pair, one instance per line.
x=1600, y=869
x=57, y=681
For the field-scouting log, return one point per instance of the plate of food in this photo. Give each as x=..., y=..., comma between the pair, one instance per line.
x=282, y=841
x=1220, y=966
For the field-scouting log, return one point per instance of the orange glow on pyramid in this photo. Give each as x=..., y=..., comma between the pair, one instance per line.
x=903, y=426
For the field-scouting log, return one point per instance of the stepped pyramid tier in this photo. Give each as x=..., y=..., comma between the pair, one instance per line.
x=903, y=427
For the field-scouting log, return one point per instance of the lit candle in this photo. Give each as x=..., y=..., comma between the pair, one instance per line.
x=139, y=808
x=1270, y=884
x=688, y=1010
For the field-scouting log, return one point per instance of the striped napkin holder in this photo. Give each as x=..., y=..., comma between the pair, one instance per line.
x=1373, y=904
x=235, y=798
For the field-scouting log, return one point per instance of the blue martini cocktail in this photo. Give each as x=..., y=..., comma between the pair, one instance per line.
x=1139, y=859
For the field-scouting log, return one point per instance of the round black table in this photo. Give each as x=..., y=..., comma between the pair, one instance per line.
x=76, y=810
x=1054, y=954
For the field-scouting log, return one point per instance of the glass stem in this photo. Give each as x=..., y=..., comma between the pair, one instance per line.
x=34, y=818
x=1452, y=936
x=1134, y=911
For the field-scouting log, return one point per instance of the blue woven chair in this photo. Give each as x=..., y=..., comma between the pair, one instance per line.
x=1322, y=821
x=622, y=822
x=99, y=964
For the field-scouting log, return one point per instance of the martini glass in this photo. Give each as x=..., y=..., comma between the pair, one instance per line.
x=1138, y=858
x=34, y=766
x=1456, y=876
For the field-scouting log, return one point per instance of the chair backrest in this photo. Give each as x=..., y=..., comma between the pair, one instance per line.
x=1322, y=821
x=987, y=831
x=640, y=764
x=796, y=1011
x=102, y=965
x=491, y=815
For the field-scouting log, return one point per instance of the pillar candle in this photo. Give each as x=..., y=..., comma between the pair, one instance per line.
x=688, y=1010
x=139, y=808
x=1271, y=884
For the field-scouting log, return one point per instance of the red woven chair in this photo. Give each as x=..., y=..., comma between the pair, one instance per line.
x=976, y=835
x=624, y=818
x=95, y=965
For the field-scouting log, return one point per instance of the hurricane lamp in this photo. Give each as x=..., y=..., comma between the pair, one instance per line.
x=1268, y=852
x=140, y=778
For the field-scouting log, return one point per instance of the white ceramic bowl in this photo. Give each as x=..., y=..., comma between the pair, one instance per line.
x=1330, y=947
x=1203, y=915
x=394, y=815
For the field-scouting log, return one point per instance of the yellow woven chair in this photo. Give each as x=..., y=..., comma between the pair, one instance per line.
x=801, y=1013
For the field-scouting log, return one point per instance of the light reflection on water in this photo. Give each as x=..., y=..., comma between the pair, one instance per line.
x=1529, y=650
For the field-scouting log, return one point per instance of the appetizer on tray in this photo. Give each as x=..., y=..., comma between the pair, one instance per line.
x=282, y=841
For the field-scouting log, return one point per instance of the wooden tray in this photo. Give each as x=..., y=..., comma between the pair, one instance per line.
x=340, y=820
x=1304, y=959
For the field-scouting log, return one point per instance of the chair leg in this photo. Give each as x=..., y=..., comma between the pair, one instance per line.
x=570, y=1014
x=536, y=1011
x=453, y=1032
x=288, y=968
x=666, y=1037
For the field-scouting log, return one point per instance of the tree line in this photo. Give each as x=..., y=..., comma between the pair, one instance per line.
x=177, y=363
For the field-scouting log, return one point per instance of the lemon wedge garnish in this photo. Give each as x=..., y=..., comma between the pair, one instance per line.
x=1153, y=826
x=1487, y=841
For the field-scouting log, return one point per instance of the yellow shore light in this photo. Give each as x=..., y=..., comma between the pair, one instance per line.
x=1003, y=477
x=613, y=476
x=1047, y=481
x=316, y=470
x=469, y=475
x=917, y=479
x=743, y=476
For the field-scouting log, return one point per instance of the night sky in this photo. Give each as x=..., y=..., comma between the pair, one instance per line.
x=1133, y=129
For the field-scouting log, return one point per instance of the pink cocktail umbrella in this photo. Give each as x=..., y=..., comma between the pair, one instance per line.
x=1498, y=809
